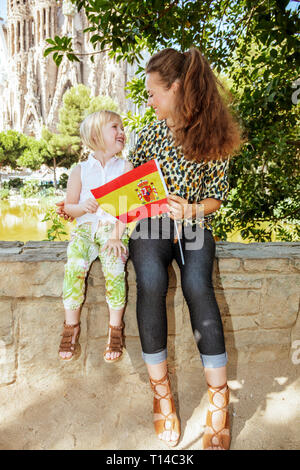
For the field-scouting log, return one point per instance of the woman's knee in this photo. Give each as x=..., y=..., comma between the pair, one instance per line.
x=197, y=288
x=154, y=284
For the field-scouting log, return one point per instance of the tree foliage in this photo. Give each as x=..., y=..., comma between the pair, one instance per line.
x=34, y=155
x=254, y=47
x=265, y=177
x=19, y=150
x=12, y=146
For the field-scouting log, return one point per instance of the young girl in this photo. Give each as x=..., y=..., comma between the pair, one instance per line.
x=97, y=234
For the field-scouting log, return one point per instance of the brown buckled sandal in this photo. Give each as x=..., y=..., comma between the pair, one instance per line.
x=116, y=342
x=66, y=344
x=217, y=438
x=167, y=422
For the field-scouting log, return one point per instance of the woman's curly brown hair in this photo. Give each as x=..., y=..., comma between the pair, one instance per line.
x=204, y=126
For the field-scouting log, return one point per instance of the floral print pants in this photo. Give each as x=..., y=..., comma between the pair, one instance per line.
x=83, y=249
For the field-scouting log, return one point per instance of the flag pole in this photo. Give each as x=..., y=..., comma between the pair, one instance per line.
x=179, y=242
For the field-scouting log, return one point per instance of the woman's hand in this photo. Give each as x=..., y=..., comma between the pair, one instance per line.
x=116, y=246
x=60, y=211
x=179, y=207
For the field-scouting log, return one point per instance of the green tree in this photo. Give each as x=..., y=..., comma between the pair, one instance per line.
x=34, y=155
x=265, y=177
x=61, y=150
x=12, y=146
x=65, y=147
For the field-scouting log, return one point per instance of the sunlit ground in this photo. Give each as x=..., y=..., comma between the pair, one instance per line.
x=71, y=410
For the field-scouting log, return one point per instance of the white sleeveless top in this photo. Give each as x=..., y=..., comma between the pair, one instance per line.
x=94, y=175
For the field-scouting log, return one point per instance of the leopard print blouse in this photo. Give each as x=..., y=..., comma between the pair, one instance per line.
x=190, y=180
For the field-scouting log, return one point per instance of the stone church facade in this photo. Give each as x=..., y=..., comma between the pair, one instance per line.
x=32, y=90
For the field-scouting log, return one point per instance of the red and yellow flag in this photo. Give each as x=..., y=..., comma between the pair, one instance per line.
x=135, y=195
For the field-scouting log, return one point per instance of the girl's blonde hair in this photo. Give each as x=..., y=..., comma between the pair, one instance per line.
x=91, y=128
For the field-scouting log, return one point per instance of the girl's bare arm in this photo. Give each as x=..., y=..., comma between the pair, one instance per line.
x=72, y=206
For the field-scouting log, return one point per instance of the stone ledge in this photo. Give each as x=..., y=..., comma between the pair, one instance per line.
x=255, y=286
x=39, y=251
x=33, y=251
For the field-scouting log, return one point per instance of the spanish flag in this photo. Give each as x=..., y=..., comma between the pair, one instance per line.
x=135, y=195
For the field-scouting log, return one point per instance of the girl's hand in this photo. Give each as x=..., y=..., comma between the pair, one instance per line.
x=179, y=207
x=60, y=211
x=116, y=246
x=90, y=206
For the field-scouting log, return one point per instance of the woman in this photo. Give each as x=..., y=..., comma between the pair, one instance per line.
x=192, y=139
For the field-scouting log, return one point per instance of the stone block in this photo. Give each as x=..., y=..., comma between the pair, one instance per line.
x=238, y=281
x=295, y=264
x=6, y=323
x=261, y=265
x=258, y=354
x=229, y=265
x=32, y=279
x=238, y=302
x=260, y=337
x=280, y=302
x=237, y=323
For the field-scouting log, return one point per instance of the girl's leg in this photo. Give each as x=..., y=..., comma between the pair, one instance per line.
x=81, y=253
x=114, y=273
x=72, y=317
x=115, y=319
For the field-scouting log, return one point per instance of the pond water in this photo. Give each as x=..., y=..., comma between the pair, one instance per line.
x=22, y=221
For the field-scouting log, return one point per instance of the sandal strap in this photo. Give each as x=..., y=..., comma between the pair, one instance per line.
x=164, y=382
x=66, y=344
x=212, y=391
x=67, y=326
x=173, y=420
x=154, y=383
x=116, y=338
x=117, y=328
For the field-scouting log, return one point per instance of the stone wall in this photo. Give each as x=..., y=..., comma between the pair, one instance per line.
x=256, y=285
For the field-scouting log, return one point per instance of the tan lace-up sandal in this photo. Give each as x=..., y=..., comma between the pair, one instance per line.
x=213, y=438
x=116, y=342
x=66, y=344
x=167, y=422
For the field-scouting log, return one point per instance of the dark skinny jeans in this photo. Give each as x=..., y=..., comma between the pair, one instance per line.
x=152, y=249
